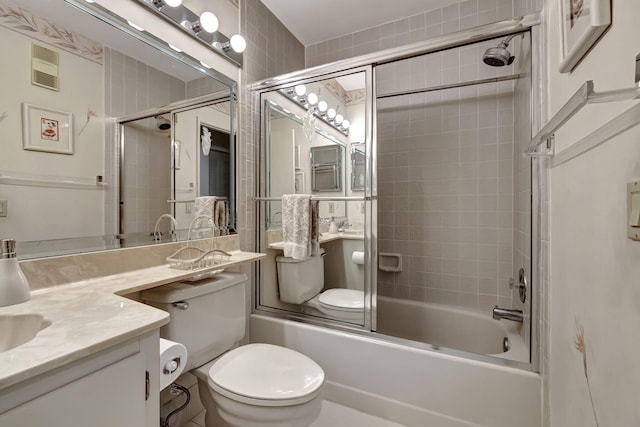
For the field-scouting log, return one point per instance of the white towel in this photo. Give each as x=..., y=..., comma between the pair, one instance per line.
x=296, y=225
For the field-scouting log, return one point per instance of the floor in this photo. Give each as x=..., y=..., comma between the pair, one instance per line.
x=332, y=415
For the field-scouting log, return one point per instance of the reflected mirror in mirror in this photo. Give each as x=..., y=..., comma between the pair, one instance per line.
x=305, y=152
x=83, y=75
x=358, y=169
x=166, y=164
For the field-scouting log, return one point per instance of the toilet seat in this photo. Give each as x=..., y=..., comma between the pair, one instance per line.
x=266, y=375
x=349, y=300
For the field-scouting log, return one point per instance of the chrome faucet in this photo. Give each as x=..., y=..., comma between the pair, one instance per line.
x=505, y=313
x=344, y=225
x=157, y=236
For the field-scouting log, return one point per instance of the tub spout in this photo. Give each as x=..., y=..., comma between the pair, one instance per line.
x=504, y=313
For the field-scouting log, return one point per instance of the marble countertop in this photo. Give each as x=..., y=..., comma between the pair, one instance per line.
x=324, y=238
x=90, y=316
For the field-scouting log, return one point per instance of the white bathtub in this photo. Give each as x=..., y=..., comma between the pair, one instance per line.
x=450, y=327
x=412, y=386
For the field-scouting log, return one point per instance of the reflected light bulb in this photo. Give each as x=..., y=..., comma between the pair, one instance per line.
x=173, y=3
x=300, y=90
x=238, y=43
x=209, y=22
x=331, y=113
x=312, y=98
x=137, y=27
x=339, y=119
x=346, y=124
x=322, y=106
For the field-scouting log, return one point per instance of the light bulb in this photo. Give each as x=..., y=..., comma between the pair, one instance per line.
x=322, y=106
x=312, y=98
x=238, y=43
x=209, y=22
x=300, y=90
x=173, y=3
x=346, y=124
x=339, y=119
x=331, y=113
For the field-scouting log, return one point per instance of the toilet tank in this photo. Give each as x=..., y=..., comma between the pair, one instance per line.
x=207, y=316
x=300, y=280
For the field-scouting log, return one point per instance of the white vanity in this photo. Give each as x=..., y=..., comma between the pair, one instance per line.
x=97, y=356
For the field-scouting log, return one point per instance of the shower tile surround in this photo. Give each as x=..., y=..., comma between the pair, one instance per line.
x=445, y=180
x=417, y=28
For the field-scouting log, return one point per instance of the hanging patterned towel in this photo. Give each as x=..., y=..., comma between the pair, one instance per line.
x=296, y=225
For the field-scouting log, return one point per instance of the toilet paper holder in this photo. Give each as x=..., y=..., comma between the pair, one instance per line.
x=172, y=365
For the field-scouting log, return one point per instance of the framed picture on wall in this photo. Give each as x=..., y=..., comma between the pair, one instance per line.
x=582, y=23
x=46, y=129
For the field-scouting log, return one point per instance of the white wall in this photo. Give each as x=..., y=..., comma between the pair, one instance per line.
x=36, y=213
x=595, y=269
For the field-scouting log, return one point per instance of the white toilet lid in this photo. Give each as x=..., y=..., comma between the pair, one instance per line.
x=343, y=299
x=266, y=372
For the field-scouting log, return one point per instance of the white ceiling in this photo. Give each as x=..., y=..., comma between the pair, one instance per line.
x=314, y=21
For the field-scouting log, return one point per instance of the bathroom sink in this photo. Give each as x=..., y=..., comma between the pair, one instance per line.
x=18, y=329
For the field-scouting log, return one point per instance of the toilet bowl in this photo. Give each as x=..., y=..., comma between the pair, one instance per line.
x=239, y=386
x=338, y=303
x=264, y=385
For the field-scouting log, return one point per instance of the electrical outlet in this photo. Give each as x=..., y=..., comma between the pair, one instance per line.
x=332, y=207
x=3, y=208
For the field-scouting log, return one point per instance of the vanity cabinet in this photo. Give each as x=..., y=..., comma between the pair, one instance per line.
x=105, y=390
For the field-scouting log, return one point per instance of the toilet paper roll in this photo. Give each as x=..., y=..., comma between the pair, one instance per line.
x=357, y=257
x=173, y=359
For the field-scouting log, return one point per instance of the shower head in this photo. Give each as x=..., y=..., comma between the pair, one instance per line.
x=499, y=56
x=162, y=123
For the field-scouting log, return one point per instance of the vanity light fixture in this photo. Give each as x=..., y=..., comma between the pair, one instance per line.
x=203, y=28
x=315, y=107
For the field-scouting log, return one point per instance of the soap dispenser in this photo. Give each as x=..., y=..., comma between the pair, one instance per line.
x=333, y=228
x=14, y=287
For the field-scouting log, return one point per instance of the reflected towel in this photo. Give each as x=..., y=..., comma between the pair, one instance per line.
x=296, y=225
x=314, y=228
x=222, y=213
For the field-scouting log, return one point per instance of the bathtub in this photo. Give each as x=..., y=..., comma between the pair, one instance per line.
x=451, y=327
x=412, y=386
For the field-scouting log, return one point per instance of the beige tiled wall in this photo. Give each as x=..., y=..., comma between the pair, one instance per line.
x=446, y=180
x=271, y=50
x=418, y=28
x=131, y=86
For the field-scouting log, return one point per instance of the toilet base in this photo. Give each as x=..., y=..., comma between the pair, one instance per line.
x=237, y=414
x=212, y=417
x=224, y=412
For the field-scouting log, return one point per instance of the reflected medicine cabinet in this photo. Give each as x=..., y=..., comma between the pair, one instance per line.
x=326, y=168
x=357, y=166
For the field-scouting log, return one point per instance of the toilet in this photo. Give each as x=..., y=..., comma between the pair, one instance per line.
x=301, y=282
x=240, y=386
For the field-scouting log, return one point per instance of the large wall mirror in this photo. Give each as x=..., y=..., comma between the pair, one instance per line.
x=306, y=148
x=103, y=131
